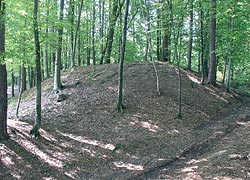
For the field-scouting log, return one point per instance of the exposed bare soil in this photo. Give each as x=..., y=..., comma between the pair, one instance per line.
x=84, y=137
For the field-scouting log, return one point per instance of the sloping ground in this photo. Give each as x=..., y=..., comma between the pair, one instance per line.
x=83, y=137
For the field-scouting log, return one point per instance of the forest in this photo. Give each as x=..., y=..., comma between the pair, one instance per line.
x=178, y=68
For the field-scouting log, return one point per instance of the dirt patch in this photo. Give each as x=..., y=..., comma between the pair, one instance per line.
x=83, y=137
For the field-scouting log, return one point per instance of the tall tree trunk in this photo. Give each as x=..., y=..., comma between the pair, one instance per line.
x=158, y=32
x=202, y=46
x=88, y=44
x=146, y=15
x=177, y=55
x=190, y=42
x=37, y=124
x=46, y=61
x=76, y=35
x=213, y=62
x=3, y=76
x=24, y=82
x=115, y=11
x=79, y=52
x=72, y=19
x=122, y=55
x=165, y=34
x=22, y=87
x=12, y=83
x=57, y=75
x=224, y=70
x=111, y=31
x=93, y=33
x=101, y=7
x=20, y=92
x=230, y=57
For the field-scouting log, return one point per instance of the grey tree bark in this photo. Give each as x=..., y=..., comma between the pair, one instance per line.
x=122, y=55
x=35, y=130
x=213, y=61
x=190, y=42
x=57, y=75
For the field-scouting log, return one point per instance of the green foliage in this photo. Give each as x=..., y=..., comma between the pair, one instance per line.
x=231, y=41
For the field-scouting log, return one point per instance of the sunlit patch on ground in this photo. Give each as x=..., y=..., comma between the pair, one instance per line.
x=8, y=158
x=214, y=93
x=246, y=124
x=30, y=147
x=226, y=178
x=73, y=173
x=194, y=79
x=89, y=141
x=174, y=132
x=128, y=166
x=48, y=178
x=194, y=161
x=145, y=124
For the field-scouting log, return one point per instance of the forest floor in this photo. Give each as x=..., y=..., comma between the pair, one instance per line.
x=84, y=137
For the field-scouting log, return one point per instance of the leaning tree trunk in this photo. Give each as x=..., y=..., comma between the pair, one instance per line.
x=122, y=55
x=3, y=76
x=37, y=124
x=20, y=91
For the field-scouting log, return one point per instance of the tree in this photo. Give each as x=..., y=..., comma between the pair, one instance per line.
x=37, y=124
x=93, y=33
x=72, y=20
x=122, y=54
x=57, y=75
x=76, y=35
x=190, y=42
x=213, y=63
x=114, y=14
x=166, y=33
x=101, y=19
x=202, y=46
x=3, y=76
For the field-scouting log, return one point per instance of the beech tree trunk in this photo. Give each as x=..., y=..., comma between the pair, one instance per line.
x=37, y=124
x=101, y=19
x=93, y=33
x=190, y=42
x=72, y=19
x=76, y=35
x=202, y=46
x=213, y=62
x=230, y=58
x=3, y=76
x=115, y=11
x=122, y=54
x=57, y=75
x=12, y=84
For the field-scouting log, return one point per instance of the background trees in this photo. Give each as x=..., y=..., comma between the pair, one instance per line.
x=92, y=33
x=97, y=39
